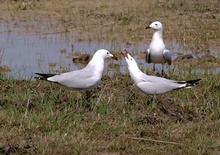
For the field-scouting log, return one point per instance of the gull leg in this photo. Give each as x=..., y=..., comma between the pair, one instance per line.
x=162, y=69
x=153, y=67
x=154, y=101
x=78, y=99
x=171, y=69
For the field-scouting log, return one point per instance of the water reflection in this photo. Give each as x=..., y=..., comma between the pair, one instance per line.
x=25, y=54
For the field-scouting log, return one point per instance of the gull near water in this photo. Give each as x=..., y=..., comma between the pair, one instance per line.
x=157, y=52
x=153, y=85
x=84, y=79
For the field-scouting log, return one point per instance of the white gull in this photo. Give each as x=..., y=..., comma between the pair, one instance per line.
x=84, y=79
x=157, y=52
x=152, y=84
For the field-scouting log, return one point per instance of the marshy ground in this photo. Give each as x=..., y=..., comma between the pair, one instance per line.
x=37, y=117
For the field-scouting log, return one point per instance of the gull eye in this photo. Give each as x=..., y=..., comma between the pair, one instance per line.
x=107, y=52
x=156, y=24
x=131, y=58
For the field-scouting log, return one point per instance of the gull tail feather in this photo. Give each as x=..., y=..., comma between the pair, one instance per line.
x=190, y=83
x=43, y=76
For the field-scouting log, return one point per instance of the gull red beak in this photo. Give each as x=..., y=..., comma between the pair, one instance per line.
x=125, y=53
x=148, y=27
x=114, y=57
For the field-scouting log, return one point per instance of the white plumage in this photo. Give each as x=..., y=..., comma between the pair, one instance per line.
x=157, y=52
x=84, y=79
x=152, y=84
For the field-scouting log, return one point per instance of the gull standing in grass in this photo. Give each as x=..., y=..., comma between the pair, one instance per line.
x=157, y=52
x=153, y=85
x=84, y=79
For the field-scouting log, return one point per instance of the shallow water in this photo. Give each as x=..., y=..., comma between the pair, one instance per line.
x=26, y=54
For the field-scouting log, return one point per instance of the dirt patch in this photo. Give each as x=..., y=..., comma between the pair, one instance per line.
x=4, y=69
x=167, y=111
x=183, y=57
x=176, y=112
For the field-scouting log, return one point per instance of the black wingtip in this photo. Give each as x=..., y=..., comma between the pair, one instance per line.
x=192, y=82
x=40, y=78
x=43, y=76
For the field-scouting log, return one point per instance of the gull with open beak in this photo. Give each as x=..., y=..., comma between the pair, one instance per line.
x=153, y=85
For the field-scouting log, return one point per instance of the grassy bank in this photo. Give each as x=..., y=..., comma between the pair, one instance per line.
x=37, y=117
x=40, y=117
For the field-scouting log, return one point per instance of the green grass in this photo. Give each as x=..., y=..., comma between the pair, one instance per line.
x=40, y=117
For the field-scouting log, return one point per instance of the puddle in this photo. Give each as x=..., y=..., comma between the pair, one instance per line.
x=27, y=54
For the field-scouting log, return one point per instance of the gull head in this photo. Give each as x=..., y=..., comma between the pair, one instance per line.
x=155, y=26
x=105, y=54
x=129, y=59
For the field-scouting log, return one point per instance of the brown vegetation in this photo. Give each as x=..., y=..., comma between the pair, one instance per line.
x=42, y=118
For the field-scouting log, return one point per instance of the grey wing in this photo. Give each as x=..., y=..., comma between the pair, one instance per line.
x=167, y=55
x=159, y=85
x=148, y=60
x=75, y=79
